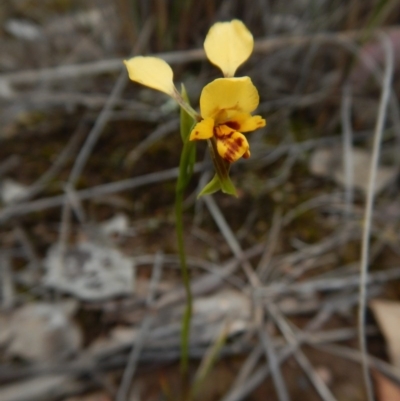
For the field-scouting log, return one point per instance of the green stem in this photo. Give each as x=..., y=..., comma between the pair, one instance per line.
x=185, y=333
x=186, y=164
x=186, y=106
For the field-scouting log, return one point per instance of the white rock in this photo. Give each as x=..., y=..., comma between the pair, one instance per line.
x=89, y=271
x=23, y=29
x=11, y=191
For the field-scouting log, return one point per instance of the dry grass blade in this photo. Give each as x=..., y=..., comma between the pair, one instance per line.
x=263, y=268
x=209, y=359
x=231, y=239
x=327, y=284
x=301, y=359
x=97, y=191
x=7, y=284
x=144, y=329
x=211, y=281
x=239, y=393
x=355, y=355
x=159, y=133
x=58, y=164
x=247, y=367
x=22, y=237
x=347, y=149
x=155, y=278
x=104, y=116
x=75, y=203
x=273, y=364
x=385, y=96
x=133, y=359
x=113, y=65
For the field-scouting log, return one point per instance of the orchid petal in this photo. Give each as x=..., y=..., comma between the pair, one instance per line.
x=202, y=130
x=225, y=97
x=228, y=45
x=233, y=147
x=245, y=122
x=152, y=72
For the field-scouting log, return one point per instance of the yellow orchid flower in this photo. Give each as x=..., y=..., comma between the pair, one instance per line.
x=227, y=45
x=225, y=105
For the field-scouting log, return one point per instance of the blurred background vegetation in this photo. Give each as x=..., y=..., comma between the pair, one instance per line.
x=91, y=296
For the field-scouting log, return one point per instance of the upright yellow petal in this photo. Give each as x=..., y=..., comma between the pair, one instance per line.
x=228, y=45
x=152, y=72
x=225, y=97
x=233, y=147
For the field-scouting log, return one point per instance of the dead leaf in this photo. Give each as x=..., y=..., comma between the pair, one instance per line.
x=329, y=163
x=386, y=390
x=42, y=332
x=387, y=313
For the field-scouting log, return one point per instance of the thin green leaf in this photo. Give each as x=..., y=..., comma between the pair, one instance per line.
x=227, y=186
x=216, y=184
x=213, y=186
x=186, y=165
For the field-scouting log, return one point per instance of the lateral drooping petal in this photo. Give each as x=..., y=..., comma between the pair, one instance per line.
x=152, y=72
x=233, y=147
x=228, y=96
x=245, y=122
x=202, y=130
x=228, y=45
